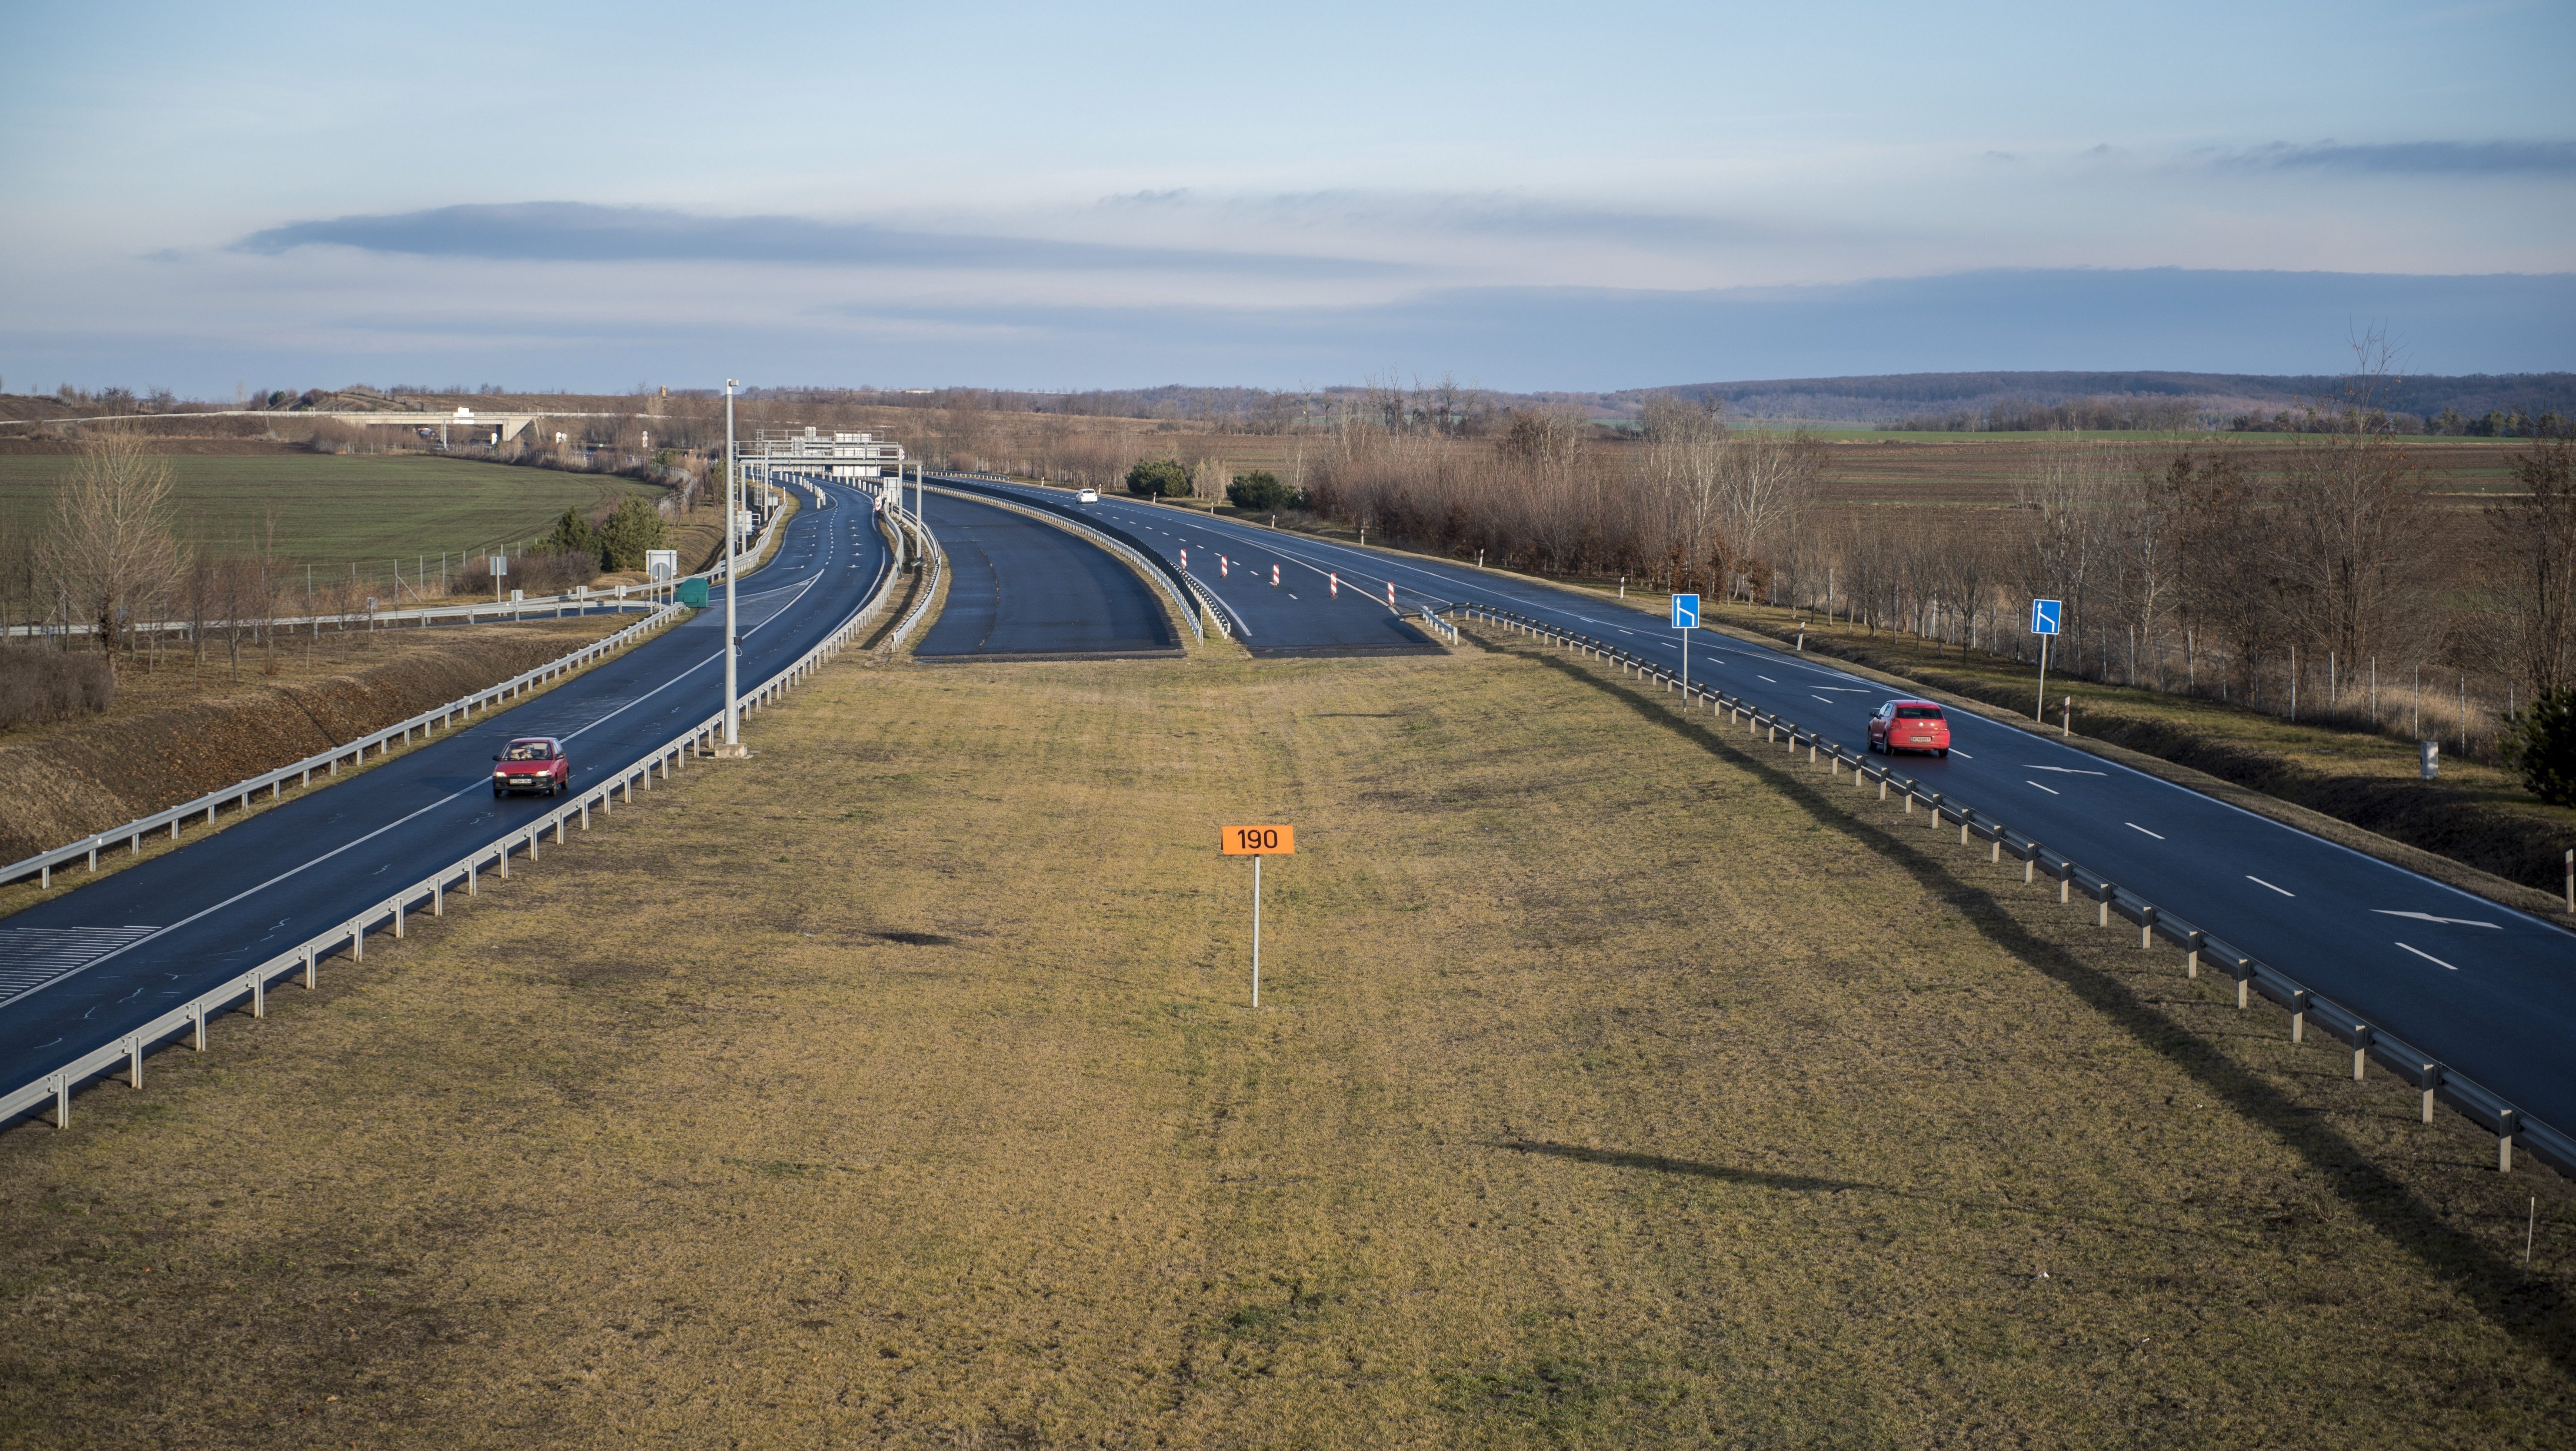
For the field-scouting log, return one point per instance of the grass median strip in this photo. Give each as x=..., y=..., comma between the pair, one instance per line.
x=1611, y=1085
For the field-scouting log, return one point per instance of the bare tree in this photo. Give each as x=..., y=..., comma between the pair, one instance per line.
x=111, y=551
x=2534, y=558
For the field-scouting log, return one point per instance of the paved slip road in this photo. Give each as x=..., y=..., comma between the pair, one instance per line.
x=1023, y=589
x=90, y=966
x=2488, y=990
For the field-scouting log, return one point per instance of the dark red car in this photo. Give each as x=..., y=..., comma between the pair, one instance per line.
x=1910, y=725
x=531, y=763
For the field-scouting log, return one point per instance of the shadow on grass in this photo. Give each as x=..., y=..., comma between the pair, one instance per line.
x=2537, y=1314
x=1750, y=1178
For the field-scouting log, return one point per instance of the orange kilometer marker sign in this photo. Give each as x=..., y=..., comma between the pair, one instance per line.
x=1257, y=842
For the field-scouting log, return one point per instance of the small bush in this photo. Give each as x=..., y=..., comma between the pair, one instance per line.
x=1166, y=477
x=1262, y=493
x=2540, y=742
x=38, y=684
x=634, y=528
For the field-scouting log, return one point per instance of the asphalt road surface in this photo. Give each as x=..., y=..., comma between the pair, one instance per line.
x=95, y=964
x=1022, y=589
x=2488, y=990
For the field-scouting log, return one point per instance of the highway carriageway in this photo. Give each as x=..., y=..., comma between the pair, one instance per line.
x=1023, y=589
x=93, y=965
x=2489, y=990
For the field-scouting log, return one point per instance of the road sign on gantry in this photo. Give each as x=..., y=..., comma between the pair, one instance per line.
x=2044, y=616
x=1686, y=612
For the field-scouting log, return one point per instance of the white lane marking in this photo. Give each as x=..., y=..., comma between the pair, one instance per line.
x=2258, y=881
x=31, y=957
x=2133, y=826
x=2044, y=788
x=1962, y=755
x=2066, y=770
x=1765, y=677
x=2428, y=957
x=1827, y=700
x=1845, y=689
x=2445, y=921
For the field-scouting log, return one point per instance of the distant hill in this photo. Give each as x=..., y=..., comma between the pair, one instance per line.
x=2151, y=399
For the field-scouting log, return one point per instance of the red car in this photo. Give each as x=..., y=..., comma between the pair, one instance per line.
x=1910, y=725
x=531, y=763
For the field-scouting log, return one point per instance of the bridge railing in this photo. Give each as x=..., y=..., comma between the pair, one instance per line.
x=2308, y=1008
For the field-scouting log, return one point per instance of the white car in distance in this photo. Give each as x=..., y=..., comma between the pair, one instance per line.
x=1086, y=496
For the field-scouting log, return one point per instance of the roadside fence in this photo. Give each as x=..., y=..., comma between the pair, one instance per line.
x=2308, y=1009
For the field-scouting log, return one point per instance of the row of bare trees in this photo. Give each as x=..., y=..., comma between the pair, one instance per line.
x=107, y=574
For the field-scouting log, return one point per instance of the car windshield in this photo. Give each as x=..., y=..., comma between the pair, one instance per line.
x=1918, y=712
x=530, y=751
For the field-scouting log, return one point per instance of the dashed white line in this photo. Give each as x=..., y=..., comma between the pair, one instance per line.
x=1759, y=675
x=2133, y=826
x=2428, y=957
x=1962, y=755
x=2258, y=881
x=1827, y=700
x=2044, y=788
x=2066, y=770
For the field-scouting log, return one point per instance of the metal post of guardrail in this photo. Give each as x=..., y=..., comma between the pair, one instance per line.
x=2030, y=864
x=2429, y=1077
x=2244, y=984
x=2508, y=1123
x=358, y=941
x=308, y=967
x=2191, y=949
x=2363, y=1035
x=2146, y=928
x=2065, y=883
x=2103, y=918
x=2299, y=1016
x=258, y=994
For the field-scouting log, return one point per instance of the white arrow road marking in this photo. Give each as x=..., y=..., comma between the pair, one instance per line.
x=2133, y=826
x=2258, y=881
x=2044, y=788
x=2445, y=921
x=2066, y=770
x=2428, y=957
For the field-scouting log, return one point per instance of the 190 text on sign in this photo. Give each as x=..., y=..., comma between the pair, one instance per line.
x=1258, y=841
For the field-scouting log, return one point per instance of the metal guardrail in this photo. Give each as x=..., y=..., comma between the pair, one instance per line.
x=935, y=560
x=1439, y=627
x=651, y=597
x=43, y=865
x=190, y=1018
x=2436, y=1080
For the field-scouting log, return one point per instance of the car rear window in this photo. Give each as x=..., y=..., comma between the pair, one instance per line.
x=1918, y=712
x=528, y=753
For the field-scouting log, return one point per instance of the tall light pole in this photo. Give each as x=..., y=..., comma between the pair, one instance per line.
x=733, y=706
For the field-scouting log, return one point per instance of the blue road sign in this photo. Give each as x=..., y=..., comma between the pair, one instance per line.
x=1686, y=612
x=2043, y=616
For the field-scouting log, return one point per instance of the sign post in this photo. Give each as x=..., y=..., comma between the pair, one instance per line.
x=1257, y=842
x=1686, y=619
x=2044, y=615
x=500, y=568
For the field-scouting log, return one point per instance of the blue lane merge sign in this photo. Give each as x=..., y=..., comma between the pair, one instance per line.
x=1686, y=612
x=2043, y=616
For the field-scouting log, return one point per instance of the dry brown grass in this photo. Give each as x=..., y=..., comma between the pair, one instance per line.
x=1611, y=1086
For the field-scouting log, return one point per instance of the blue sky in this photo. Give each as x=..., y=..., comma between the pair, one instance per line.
x=1062, y=196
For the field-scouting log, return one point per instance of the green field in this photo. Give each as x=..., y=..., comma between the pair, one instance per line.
x=366, y=509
